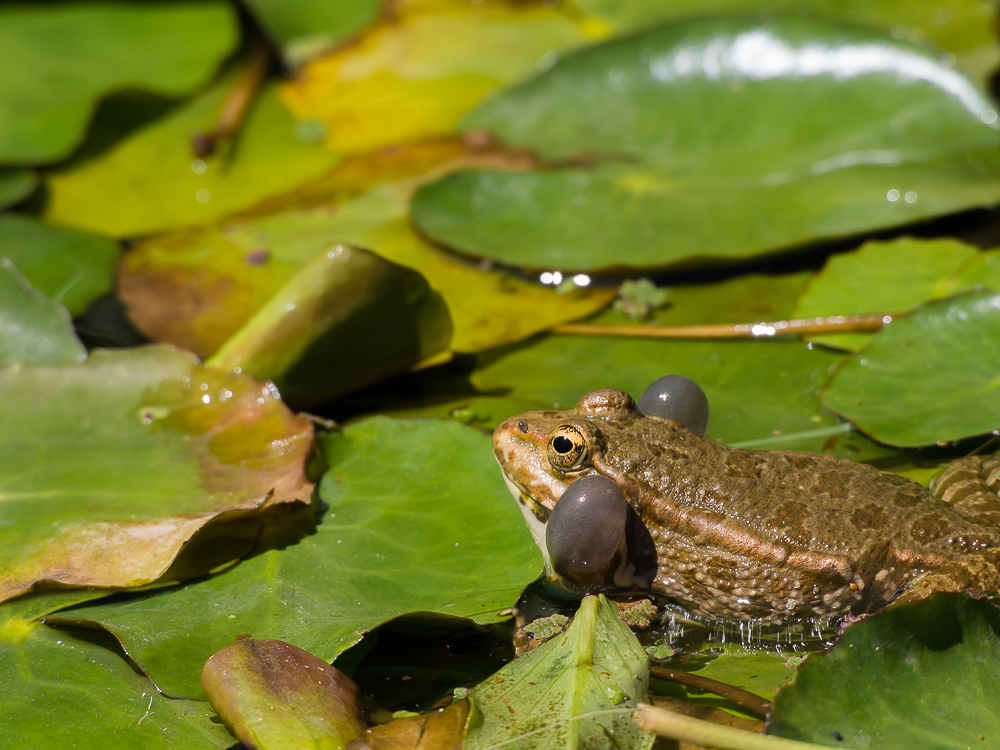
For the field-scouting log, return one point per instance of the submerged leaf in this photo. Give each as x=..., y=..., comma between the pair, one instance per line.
x=110, y=467
x=15, y=185
x=34, y=330
x=274, y=696
x=928, y=377
x=418, y=520
x=564, y=693
x=921, y=675
x=58, y=60
x=347, y=319
x=836, y=136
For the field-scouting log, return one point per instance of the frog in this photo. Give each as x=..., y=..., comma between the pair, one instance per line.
x=623, y=498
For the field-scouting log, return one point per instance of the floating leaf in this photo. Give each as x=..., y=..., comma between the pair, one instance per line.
x=313, y=339
x=152, y=181
x=762, y=394
x=418, y=520
x=443, y=729
x=73, y=268
x=198, y=287
x=963, y=28
x=15, y=185
x=880, y=277
x=110, y=467
x=305, y=28
x=274, y=696
x=596, y=666
x=59, y=690
x=982, y=271
x=33, y=329
x=414, y=75
x=918, y=675
x=928, y=377
x=835, y=138
x=59, y=60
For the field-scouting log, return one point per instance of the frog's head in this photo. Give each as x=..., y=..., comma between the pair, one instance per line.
x=543, y=453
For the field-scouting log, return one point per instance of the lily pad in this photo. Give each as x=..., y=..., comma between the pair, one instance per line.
x=110, y=467
x=58, y=60
x=982, y=271
x=880, y=277
x=33, y=329
x=15, y=185
x=596, y=666
x=197, y=288
x=834, y=139
x=762, y=394
x=151, y=180
x=418, y=520
x=963, y=28
x=926, y=378
x=70, y=267
x=313, y=339
x=919, y=675
x=305, y=28
x=415, y=74
x=64, y=691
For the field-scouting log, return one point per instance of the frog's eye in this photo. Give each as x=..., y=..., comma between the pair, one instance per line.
x=679, y=399
x=567, y=447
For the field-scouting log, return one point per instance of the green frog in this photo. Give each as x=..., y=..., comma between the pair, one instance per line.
x=619, y=498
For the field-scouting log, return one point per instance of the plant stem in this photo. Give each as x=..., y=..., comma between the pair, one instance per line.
x=741, y=697
x=795, y=327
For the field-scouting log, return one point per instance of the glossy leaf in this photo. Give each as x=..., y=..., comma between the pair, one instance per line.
x=305, y=28
x=73, y=268
x=835, y=138
x=61, y=690
x=58, y=60
x=880, y=277
x=962, y=28
x=33, y=329
x=443, y=729
x=110, y=467
x=152, y=181
x=418, y=520
x=197, y=288
x=919, y=675
x=761, y=394
x=314, y=338
x=926, y=378
x=15, y=185
x=982, y=271
x=597, y=665
x=274, y=696
x=414, y=75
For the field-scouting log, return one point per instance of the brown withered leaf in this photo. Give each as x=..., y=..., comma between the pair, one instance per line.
x=443, y=729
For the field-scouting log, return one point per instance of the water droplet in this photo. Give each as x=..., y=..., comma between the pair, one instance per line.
x=892, y=196
x=206, y=399
x=203, y=196
x=910, y=197
x=581, y=279
x=198, y=166
x=989, y=117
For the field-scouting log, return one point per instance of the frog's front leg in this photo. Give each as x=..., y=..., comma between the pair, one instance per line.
x=971, y=485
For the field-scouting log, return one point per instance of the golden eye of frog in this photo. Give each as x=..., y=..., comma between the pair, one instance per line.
x=618, y=500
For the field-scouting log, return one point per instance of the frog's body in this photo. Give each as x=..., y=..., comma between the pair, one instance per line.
x=752, y=534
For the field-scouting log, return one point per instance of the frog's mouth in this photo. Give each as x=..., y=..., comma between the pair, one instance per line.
x=536, y=514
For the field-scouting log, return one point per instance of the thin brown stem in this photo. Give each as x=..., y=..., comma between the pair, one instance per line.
x=741, y=697
x=797, y=327
x=237, y=104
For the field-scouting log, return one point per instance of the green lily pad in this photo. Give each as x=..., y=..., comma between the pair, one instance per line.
x=919, y=675
x=110, y=467
x=597, y=665
x=34, y=330
x=275, y=696
x=313, y=339
x=70, y=267
x=197, y=288
x=880, y=277
x=151, y=180
x=982, y=271
x=926, y=378
x=762, y=394
x=962, y=28
x=15, y=185
x=418, y=520
x=305, y=28
x=63, y=691
x=59, y=60
x=834, y=139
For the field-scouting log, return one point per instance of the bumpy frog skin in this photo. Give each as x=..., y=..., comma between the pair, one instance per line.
x=742, y=534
